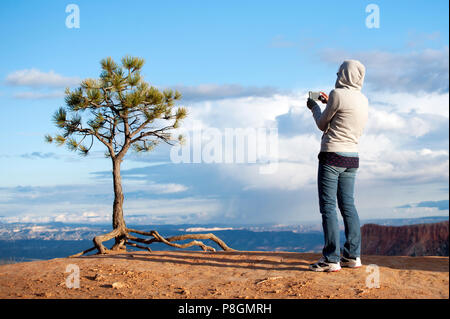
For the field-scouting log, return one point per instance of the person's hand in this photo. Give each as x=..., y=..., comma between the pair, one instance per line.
x=310, y=103
x=323, y=98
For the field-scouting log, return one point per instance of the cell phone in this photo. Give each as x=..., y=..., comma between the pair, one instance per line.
x=314, y=95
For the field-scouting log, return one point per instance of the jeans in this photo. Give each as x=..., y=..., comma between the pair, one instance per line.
x=338, y=182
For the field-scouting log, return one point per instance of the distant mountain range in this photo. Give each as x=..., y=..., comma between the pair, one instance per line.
x=62, y=231
x=26, y=241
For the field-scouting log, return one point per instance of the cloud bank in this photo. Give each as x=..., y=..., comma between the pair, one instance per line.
x=413, y=71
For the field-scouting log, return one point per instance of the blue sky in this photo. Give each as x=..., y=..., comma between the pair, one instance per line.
x=238, y=64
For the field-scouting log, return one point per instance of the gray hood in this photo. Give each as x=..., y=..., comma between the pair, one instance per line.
x=350, y=75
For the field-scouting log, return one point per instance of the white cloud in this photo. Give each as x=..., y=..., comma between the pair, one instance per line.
x=382, y=122
x=84, y=217
x=166, y=188
x=38, y=79
x=30, y=95
x=392, y=166
x=414, y=212
x=428, y=152
x=99, y=216
x=422, y=104
x=243, y=112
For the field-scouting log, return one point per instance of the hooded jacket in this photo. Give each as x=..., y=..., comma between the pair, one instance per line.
x=346, y=113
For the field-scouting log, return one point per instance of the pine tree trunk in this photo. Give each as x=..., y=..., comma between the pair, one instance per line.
x=118, y=220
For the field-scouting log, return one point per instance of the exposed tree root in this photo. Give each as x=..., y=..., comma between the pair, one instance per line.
x=137, y=246
x=123, y=237
x=83, y=252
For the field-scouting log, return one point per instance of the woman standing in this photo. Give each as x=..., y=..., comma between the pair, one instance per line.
x=342, y=122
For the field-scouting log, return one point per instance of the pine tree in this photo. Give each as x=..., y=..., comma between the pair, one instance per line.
x=122, y=111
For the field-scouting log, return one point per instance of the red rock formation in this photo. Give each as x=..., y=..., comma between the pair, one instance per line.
x=412, y=240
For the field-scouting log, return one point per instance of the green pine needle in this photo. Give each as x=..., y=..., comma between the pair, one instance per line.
x=60, y=140
x=181, y=113
x=83, y=150
x=48, y=138
x=72, y=144
x=59, y=118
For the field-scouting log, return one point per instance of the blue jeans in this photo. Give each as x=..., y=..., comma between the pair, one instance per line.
x=338, y=182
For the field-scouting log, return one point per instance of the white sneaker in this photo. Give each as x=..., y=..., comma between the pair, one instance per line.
x=324, y=265
x=351, y=263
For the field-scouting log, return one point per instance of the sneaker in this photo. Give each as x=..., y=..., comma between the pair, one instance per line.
x=324, y=265
x=351, y=263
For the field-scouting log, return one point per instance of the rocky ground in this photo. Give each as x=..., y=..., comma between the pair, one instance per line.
x=246, y=275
